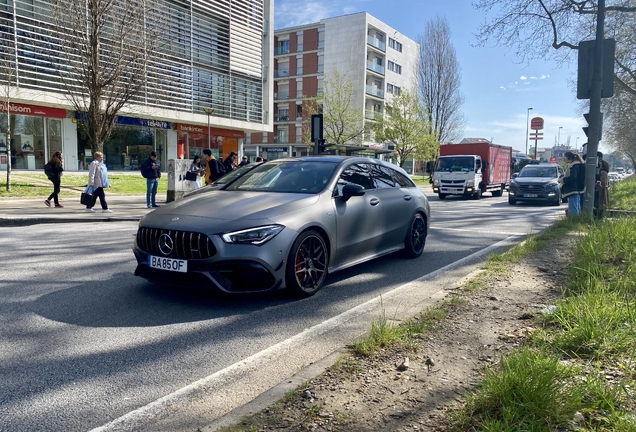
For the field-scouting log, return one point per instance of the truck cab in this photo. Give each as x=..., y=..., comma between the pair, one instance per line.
x=458, y=175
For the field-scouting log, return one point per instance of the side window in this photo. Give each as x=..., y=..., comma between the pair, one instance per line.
x=355, y=174
x=402, y=180
x=382, y=176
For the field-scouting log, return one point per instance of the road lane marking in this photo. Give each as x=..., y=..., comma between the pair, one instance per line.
x=438, y=228
x=141, y=415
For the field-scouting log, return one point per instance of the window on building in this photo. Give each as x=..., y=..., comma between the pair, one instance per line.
x=299, y=65
x=283, y=114
x=321, y=38
x=320, y=85
x=282, y=135
x=299, y=41
x=321, y=64
x=299, y=134
x=282, y=47
x=393, y=89
x=395, y=45
x=395, y=67
x=299, y=112
x=264, y=137
x=299, y=89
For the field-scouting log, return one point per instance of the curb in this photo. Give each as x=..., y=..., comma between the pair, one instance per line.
x=17, y=222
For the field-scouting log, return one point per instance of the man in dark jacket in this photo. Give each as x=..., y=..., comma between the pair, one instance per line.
x=214, y=169
x=151, y=170
x=230, y=162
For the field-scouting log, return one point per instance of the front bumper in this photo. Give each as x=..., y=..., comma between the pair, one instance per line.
x=547, y=194
x=232, y=269
x=454, y=190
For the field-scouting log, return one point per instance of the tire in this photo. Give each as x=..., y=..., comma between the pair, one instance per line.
x=512, y=201
x=415, y=237
x=477, y=195
x=499, y=192
x=307, y=264
x=441, y=196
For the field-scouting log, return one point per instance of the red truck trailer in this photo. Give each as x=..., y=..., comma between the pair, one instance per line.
x=472, y=169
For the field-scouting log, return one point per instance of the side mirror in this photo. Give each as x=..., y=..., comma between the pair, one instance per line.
x=515, y=175
x=351, y=190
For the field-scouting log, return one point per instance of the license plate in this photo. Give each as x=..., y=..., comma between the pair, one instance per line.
x=531, y=195
x=168, y=264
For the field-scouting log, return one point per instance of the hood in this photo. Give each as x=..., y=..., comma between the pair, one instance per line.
x=234, y=205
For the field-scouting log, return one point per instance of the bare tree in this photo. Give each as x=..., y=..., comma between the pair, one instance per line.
x=406, y=126
x=536, y=29
x=7, y=86
x=622, y=133
x=342, y=122
x=107, y=47
x=439, y=82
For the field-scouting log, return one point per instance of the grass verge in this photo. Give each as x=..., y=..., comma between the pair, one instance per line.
x=622, y=194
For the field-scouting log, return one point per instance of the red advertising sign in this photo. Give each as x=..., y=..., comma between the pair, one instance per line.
x=536, y=123
x=16, y=108
x=553, y=159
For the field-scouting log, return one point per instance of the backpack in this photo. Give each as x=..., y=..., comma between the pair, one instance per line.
x=48, y=170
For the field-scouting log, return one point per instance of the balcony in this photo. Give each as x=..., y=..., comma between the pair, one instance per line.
x=376, y=43
x=281, y=73
x=281, y=50
x=281, y=96
x=375, y=67
x=281, y=117
x=281, y=139
x=370, y=114
x=374, y=91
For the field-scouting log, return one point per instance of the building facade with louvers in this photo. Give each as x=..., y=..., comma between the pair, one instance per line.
x=210, y=54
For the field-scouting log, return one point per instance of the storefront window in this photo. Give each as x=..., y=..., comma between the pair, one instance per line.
x=27, y=141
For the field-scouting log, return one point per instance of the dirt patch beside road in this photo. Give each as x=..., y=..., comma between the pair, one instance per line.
x=379, y=393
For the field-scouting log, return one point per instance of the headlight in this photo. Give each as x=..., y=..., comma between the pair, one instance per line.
x=470, y=183
x=256, y=236
x=435, y=182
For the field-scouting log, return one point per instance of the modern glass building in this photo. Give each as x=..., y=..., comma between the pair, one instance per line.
x=212, y=54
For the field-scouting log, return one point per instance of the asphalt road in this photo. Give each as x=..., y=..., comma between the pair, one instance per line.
x=85, y=345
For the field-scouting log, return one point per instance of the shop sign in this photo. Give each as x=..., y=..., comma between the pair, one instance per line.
x=133, y=121
x=228, y=133
x=275, y=149
x=15, y=108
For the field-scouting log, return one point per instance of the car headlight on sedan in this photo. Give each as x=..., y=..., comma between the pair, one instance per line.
x=254, y=236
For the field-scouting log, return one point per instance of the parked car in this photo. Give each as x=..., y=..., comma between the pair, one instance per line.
x=538, y=183
x=614, y=177
x=286, y=223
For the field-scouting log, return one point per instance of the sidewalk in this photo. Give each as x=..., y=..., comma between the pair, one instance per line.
x=30, y=211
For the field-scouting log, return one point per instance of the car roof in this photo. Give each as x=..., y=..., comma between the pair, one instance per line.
x=341, y=159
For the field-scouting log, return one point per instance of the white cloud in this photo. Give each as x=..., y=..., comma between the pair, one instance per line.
x=502, y=87
x=523, y=77
x=291, y=14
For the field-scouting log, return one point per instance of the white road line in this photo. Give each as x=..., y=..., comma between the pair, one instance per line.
x=438, y=228
x=154, y=409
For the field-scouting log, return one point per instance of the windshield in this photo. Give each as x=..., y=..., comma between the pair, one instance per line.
x=459, y=163
x=533, y=171
x=232, y=175
x=286, y=176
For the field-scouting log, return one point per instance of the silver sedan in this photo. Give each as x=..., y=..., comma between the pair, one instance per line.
x=285, y=224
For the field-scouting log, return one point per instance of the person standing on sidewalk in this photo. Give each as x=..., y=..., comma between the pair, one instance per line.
x=214, y=169
x=53, y=170
x=573, y=184
x=98, y=179
x=151, y=170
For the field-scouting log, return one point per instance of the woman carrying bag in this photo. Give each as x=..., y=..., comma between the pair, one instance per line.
x=53, y=170
x=194, y=173
x=98, y=179
x=573, y=184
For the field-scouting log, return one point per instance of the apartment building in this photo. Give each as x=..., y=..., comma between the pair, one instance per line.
x=378, y=59
x=215, y=56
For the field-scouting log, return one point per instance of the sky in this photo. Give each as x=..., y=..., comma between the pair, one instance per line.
x=497, y=88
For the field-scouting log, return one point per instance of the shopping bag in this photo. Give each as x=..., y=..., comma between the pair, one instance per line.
x=87, y=198
x=191, y=176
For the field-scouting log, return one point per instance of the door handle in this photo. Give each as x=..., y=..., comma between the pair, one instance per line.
x=374, y=201
x=407, y=197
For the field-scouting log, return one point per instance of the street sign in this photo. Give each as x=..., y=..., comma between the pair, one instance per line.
x=536, y=123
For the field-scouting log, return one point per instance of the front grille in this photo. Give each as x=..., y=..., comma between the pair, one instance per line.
x=533, y=188
x=185, y=245
x=452, y=181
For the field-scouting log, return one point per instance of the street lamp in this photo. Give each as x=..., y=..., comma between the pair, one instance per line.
x=527, y=121
x=559, y=136
x=209, y=112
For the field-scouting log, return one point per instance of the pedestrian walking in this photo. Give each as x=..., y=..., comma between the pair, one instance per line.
x=573, y=183
x=602, y=187
x=196, y=169
x=214, y=169
x=151, y=171
x=53, y=170
x=230, y=162
x=98, y=181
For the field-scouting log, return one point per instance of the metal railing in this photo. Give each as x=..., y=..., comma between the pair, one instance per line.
x=374, y=91
x=375, y=67
x=281, y=73
x=376, y=43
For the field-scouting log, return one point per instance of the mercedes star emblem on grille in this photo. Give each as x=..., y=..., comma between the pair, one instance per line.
x=166, y=244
